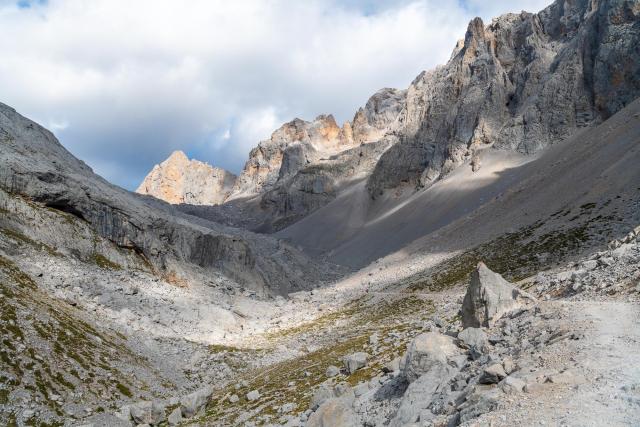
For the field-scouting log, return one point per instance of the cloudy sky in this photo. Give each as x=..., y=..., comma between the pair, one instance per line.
x=123, y=83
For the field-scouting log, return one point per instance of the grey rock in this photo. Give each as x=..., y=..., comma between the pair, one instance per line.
x=107, y=420
x=194, y=402
x=234, y=398
x=420, y=393
x=152, y=413
x=333, y=413
x=512, y=385
x=175, y=417
x=489, y=297
x=474, y=339
x=323, y=393
x=361, y=389
x=492, y=374
x=427, y=351
x=332, y=371
x=479, y=402
x=253, y=395
x=355, y=361
x=392, y=366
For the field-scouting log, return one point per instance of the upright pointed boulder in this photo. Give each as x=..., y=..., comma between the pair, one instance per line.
x=489, y=297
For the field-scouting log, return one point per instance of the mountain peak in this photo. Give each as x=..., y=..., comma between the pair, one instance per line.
x=177, y=156
x=180, y=180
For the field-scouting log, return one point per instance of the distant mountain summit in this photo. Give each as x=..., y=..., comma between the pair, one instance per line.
x=180, y=180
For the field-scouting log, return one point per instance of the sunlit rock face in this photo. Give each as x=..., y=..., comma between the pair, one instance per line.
x=299, y=144
x=180, y=180
x=523, y=82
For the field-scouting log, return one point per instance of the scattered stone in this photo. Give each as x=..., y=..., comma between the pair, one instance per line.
x=373, y=340
x=566, y=377
x=253, y=395
x=492, y=374
x=508, y=365
x=234, y=398
x=193, y=403
x=355, y=361
x=287, y=407
x=426, y=351
x=512, y=385
x=332, y=371
x=148, y=412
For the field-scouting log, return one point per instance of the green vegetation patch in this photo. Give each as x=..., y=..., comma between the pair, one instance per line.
x=515, y=255
x=295, y=380
x=104, y=262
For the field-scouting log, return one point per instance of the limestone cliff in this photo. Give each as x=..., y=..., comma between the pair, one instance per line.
x=180, y=180
x=298, y=144
x=521, y=83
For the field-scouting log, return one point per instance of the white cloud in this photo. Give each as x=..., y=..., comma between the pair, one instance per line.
x=139, y=79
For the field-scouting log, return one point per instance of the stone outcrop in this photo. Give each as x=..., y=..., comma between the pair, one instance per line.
x=489, y=297
x=180, y=180
x=521, y=83
x=291, y=147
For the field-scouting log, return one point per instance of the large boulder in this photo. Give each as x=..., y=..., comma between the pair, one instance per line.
x=333, y=413
x=427, y=351
x=489, y=297
x=420, y=394
x=152, y=413
x=192, y=403
x=355, y=361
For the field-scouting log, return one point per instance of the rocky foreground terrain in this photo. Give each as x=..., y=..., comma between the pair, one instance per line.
x=463, y=252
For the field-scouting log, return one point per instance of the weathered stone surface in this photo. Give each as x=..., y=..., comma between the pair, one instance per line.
x=427, y=351
x=420, y=393
x=193, y=403
x=492, y=374
x=332, y=371
x=148, y=413
x=333, y=413
x=512, y=385
x=355, y=361
x=523, y=82
x=175, y=417
x=489, y=297
x=180, y=180
x=475, y=339
x=253, y=395
x=327, y=391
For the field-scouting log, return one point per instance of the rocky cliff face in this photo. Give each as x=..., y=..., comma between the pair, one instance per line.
x=522, y=83
x=34, y=165
x=180, y=180
x=299, y=143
